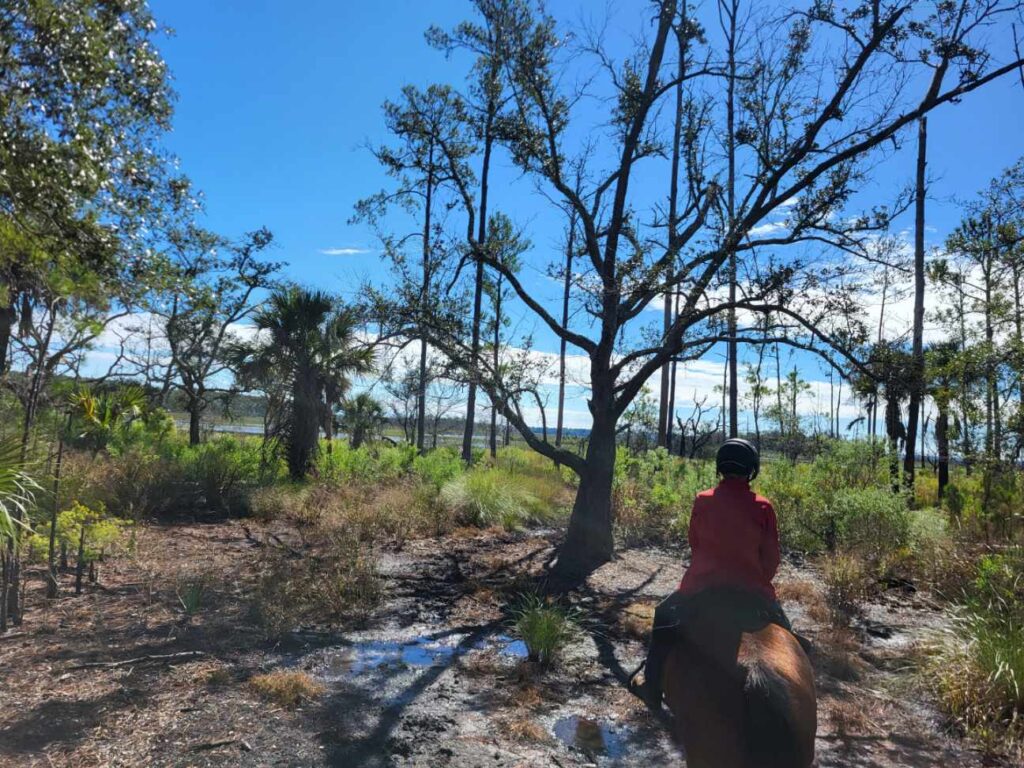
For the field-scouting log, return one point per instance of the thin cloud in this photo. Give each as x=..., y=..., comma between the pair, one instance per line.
x=344, y=251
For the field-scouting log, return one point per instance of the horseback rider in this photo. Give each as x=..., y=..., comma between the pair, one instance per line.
x=734, y=541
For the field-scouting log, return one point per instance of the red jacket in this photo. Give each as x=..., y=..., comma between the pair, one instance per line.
x=734, y=537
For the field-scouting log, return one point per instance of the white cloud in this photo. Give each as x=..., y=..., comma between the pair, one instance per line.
x=344, y=251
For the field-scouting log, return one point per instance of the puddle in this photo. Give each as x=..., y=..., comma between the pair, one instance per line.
x=510, y=647
x=367, y=655
x=592, y=738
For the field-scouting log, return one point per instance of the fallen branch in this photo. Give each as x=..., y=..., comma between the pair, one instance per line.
x=156, y=657
x=206, y=745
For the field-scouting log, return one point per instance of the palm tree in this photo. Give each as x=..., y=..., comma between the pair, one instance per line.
x=105, y=416
x=362, y=418
x=306, y=343
x=17, y=493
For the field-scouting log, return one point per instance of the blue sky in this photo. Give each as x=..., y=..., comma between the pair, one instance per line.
x=278, y=100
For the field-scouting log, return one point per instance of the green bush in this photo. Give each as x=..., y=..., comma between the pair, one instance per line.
x=979, y=667
x=873, y=523
x=486, y=497
x=219, y=474
x=545, y=627
x=438, y=467
x=653, y=494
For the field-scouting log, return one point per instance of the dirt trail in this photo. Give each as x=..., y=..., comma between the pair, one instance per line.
x=431, y=679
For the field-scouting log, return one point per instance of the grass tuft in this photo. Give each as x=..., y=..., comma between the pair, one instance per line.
x=545, y=627
x=287, y=689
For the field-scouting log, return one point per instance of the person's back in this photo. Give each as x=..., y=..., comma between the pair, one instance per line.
x=734, y=540
x=734, y=543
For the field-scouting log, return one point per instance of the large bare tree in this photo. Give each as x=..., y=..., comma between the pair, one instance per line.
x=826, y=89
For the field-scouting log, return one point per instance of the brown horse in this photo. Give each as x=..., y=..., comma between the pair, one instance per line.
x=741, y=692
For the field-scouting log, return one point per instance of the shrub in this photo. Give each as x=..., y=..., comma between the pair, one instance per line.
x=222, y=471
x=290, y=502
x=872, y=522
x=846, y=585
x=288, y=689
x=653, y=494
x=545, y=627
x=489, y=496
x=979, y=665
x=438, y=467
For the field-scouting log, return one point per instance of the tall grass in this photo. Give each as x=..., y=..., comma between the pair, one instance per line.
x=979, y=666
x=489, y=496
x=545, y=627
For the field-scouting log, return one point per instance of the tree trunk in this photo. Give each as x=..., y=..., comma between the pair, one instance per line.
x=305, y=428
x=478, y=288
x=421, y=413
x=51, y=557
x=195, y=413
x=566, y=288
x=942, y=446
x=917, y=351
x=7, y=317
x=668, y=369
x=589, y=543
x=80, y=562
x=732, y=11
x=496, y=359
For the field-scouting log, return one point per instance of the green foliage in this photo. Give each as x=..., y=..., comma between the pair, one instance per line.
x=101, y=530
x=100, y=418
x=979, y=666
x=546, y=627
x=305, y=354
x=488, y=496
x=17, y=491
x=438, y=467
x=191, y=593
x=218, y=474
x=653, y=494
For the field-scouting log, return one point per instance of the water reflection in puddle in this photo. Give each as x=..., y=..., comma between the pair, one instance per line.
x=508, y=646
x=592, y=738
x=367, y=655
x=362, y=656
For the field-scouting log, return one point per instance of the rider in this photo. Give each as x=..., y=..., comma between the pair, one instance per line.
x=734, y=540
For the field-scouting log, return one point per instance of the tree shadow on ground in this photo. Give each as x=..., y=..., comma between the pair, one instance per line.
x=64, y=722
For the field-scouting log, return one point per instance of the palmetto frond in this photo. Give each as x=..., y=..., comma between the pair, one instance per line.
x=17, y=490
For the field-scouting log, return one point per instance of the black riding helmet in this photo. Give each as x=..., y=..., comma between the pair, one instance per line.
x=738, y=457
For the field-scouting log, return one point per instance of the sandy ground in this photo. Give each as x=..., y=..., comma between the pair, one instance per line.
x=430, y=679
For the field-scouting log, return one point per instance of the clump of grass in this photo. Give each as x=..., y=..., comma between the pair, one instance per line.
x=192, y=593
x=978, y=667
x=979, y=676
x=280, y=502
x=217, y=677
x=637, y=619
x=487, y=497
x=846, y=586
x=526, y=729
x=287, y=689
x=546, y=628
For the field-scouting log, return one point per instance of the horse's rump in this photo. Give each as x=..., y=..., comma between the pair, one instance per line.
x=741, y=689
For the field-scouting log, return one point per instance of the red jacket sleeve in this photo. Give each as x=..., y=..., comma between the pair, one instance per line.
x=695, y=518
x=770, y=555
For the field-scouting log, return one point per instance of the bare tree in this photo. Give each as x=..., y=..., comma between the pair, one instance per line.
x=855, y=101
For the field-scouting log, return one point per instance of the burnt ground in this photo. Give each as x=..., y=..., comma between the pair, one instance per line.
x=431, y=678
